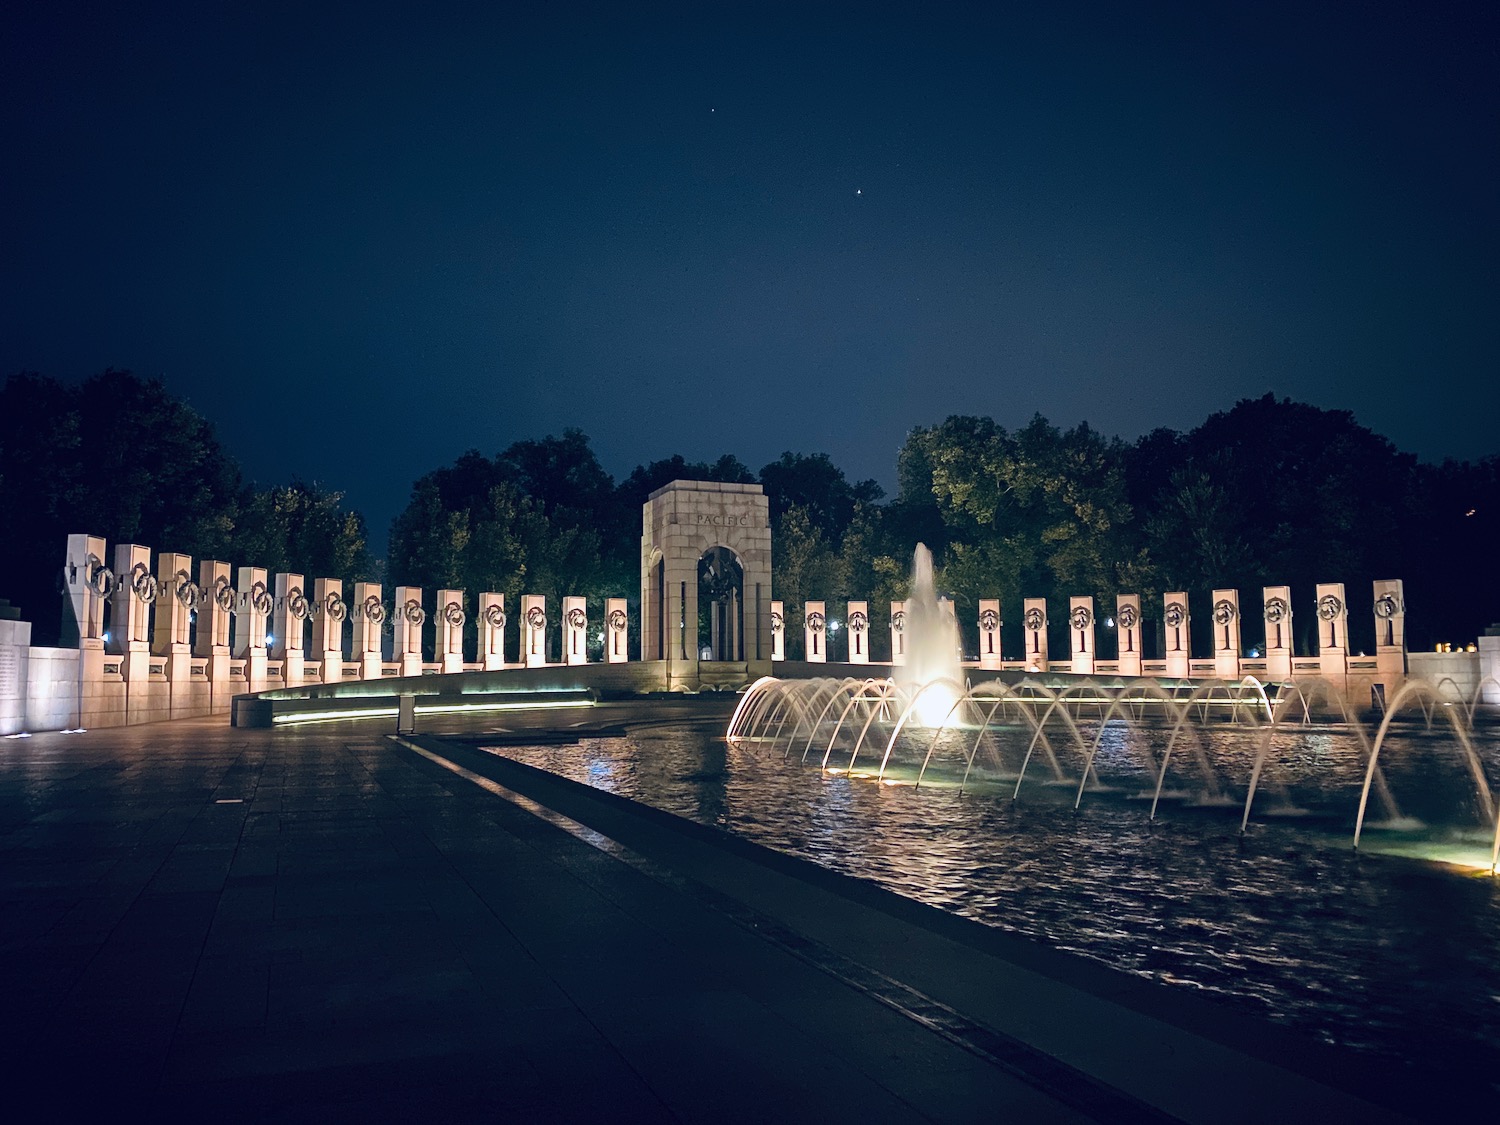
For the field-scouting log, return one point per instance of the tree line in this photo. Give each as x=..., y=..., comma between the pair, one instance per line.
x=1268, y=492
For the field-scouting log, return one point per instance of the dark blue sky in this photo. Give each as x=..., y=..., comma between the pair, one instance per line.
x=361, y=239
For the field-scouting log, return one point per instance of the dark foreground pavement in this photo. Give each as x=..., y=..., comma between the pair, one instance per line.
x=327, y=924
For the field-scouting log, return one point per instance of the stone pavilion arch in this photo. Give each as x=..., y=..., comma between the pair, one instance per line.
x=706, y=566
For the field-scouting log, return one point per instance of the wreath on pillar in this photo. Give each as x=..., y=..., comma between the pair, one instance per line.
x=1387, y=606
x=1129, y=615
x=617, y=619
x=494, y=616
x=99, y=577
x=334, y=607
x=815, y=621
x=898, y=620
x=374, y=612
x=1176, y=614
x=453, y=614
x=777, y=624
x=1224, y=611
x=1034, y=618
x=858, y=622
x=297, y=604
x=1329, y=607
x=189, y=596
x=143, y=583
x=413, y=612
x=261, y=600
x=577, y=619
x=224, y=594
x=989, y=620
x=1277, y=610
x=1081, y=617
x=536, y=617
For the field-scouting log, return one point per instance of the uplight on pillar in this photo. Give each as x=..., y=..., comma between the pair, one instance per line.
x=616, y=631
x=1390, y=633
x=450, y=630
x=329, y=613
x=1177, y=643
x=369, y=619
x=989, y=633
x=1276, y=609
x=534, y=629
x=1034, y=627
x=289, y=628
x=1226, y=615
x=406, y=645
x=898, y=632
x=814, y=633
x=492, y=631
x=859, y=632
x=1333, y=632
x=575, y=630
x=1081, y=637
x=1128, y=625
x=778, y=632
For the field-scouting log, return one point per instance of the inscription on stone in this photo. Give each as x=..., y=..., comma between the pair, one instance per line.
x=10, y=673
x=723, y=519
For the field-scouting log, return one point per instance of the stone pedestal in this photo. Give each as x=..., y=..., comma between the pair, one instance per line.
x=253, y=605
x=1333, y=632
x=616, y=636
x=1128, y=626
x=15, y=661
x=289, y=628
x=1177, y=641
x=491, y=651
x=329, y=615
x=369, y=620
x=1226, y=615
x=449, y=645
x=575, y=614
x=814, y=633
x=859, y=632
x=898, y=633
x=990, y=655
x=1081, y=638
x=1034, y=627
x=1390, y=634
x=778, y=632
x=534, y=629
x=406, y=630
x=1276, y=609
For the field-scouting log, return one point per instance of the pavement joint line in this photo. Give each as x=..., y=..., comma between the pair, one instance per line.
x=1058, y=1079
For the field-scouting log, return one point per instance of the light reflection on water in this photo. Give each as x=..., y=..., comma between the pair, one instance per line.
x=1394, y=958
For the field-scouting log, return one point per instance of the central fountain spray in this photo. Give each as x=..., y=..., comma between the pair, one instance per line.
x=931, y=678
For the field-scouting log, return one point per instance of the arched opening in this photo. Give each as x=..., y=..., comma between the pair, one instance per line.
x=654, y=609
x=721, y=605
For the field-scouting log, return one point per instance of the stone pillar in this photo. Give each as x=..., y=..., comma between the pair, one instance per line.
x=211, y=631
x=990, y=655
x=778, y=632
x=87, y=582
x=1178, y=642
x=1034, y=623
x=491, y=631
x=534, y=629
x=814, y=635
x=172, y=632
x=1489, y=665
x=1333, y=632
x=406, y=643
x=289, y=627
x=859, y=632
x=616, y=631
x=253, y=605
x=1128, y=623
x=329, y=612
x=1390, y=634
x=1081, y=638
x=369, y=617
x=732, y=620
x=130, y=606
x=1276, y=608
x=898, y=633
x=575, y=630
x=1226, y=614
x=449, y=645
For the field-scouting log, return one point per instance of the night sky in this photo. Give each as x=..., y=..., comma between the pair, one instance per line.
x=361, y=239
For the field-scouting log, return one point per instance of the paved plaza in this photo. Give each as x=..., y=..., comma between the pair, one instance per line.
x=328, y=923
